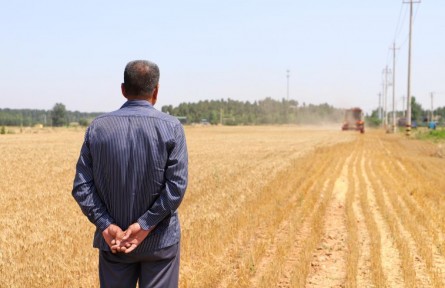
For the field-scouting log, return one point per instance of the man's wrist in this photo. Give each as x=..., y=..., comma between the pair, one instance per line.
x=144, y=226
x=103, y=223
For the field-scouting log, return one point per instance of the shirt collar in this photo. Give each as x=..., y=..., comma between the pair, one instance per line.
x=135, y=103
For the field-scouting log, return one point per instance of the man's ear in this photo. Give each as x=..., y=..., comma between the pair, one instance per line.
x=154, y=95
x=124, y=92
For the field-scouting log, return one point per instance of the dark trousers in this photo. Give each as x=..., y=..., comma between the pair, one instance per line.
x=155, y=269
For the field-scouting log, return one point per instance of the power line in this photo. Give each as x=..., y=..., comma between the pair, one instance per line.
x=400, y=23
x=403, y=43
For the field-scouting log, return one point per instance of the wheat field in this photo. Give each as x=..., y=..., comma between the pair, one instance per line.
x=266, y=207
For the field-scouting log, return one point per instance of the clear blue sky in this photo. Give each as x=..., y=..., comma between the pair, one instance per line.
x=74, y=52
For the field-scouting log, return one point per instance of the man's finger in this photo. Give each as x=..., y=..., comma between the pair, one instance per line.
x=127, y=235
x=115, y=247
x=132, y=247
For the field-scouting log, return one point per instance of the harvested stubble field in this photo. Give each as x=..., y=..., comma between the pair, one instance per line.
x=265, y=207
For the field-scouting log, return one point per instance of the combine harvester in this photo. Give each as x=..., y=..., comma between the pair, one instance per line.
x=354, y=120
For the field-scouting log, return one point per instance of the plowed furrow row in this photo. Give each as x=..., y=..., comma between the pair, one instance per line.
x=300, y=256
x=370, y=213
x=328, y=266
x=295, y=225
x=358, y=246
x=293, y=244
x=421, y=243
x=391, y=242
x=364, y=275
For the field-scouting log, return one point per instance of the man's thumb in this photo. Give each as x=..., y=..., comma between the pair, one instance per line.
x=127, y=233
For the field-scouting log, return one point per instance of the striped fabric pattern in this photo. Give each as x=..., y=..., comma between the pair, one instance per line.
x=133, y=167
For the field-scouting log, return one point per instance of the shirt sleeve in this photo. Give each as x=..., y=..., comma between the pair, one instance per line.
x=84, y=190
x=176, y=177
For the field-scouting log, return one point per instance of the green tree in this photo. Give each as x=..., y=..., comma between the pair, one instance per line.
x=373, y=120
x=58, y=115
x=266, y=111
x=84, y=122
x=416, y=110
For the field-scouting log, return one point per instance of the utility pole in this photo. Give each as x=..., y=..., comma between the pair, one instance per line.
x=380, y=106
x=394, y=88
x=385, y=97
x=432, y=107
x=403, y=106
x=287, y=76
x=408, y=110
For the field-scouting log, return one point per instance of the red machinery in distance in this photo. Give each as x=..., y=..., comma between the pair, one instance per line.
x=354, y=120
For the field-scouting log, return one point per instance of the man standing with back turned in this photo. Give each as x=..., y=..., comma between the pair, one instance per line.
x=130, y=178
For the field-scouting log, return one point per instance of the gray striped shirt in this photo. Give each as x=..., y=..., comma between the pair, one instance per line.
x=133, y=167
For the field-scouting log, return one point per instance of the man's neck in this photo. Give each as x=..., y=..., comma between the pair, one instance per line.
x=149, y=99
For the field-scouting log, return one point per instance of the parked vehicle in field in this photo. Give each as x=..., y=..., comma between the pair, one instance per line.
x=354, y=120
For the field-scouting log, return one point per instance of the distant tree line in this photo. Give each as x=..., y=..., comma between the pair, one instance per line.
x=58, y=116
x=226, y=112
x=267, y=111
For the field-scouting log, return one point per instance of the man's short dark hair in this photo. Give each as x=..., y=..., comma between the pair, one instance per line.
x=141, y=77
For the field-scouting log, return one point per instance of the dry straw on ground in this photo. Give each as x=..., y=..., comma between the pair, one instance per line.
x=266, y=207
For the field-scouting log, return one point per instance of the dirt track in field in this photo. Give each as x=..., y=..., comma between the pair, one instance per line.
x=384, y=182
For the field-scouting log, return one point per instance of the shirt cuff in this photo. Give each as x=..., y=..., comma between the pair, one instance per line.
x=145, y=225
x=103, y=222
